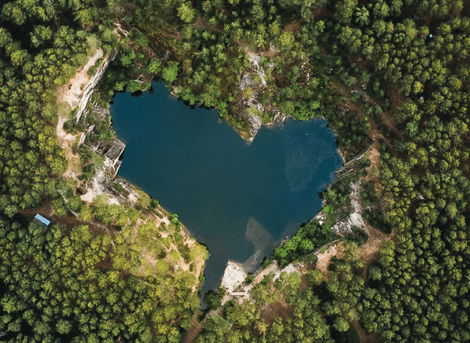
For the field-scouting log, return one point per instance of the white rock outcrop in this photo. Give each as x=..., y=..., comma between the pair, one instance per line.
x=355, y=218
x=252, y=102
x=89, y=87
x=234, y=276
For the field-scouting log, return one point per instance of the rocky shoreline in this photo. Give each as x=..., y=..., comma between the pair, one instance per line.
x=102, y=182
x=235, y=274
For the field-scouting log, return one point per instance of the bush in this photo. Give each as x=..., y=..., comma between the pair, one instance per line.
x=350, y=336
x=330, y=219
x=154, y=203
x=249, y=279
x=75, y=203
x=170, y=73
x=59, y=206
x=173, y=218
x=376, y=219
x=358, y=236
x=118, y=187
x=307, y=239
x=213, y=298
x=143, y=202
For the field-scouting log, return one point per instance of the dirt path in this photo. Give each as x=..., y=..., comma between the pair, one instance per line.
x=385, y=116
x=371, y=248
x=195, y=328
x=69, y=221
x=363, y=336
x=395, y=95
x=201, y=25
x=335, y=249
x=270, y=269
x=71, y=92
x=66, y=141
x=396, y=98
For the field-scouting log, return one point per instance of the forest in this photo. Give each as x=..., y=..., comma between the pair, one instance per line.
x=63, y=285
x=392, y=74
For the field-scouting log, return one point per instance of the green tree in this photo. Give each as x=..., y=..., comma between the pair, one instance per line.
x=186, y=12
x=170, y=73
x=362, y=16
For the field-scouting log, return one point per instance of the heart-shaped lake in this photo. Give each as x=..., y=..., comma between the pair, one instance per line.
x=239, y=199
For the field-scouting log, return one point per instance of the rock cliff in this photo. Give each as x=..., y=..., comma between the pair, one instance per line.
x=90, y=86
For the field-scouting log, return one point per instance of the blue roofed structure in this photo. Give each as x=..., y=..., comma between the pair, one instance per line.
x=42, y=220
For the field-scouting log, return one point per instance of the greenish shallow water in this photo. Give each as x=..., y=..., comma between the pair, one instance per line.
x=238, y=199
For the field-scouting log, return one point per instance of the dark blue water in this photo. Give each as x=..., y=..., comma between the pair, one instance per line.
x=234, y=197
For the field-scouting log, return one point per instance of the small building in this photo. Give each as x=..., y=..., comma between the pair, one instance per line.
x=115, y=151
x=40, y=219
x=112, y=161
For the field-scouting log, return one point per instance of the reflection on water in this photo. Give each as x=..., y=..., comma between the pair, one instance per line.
x=238, y=199
x=262, y=242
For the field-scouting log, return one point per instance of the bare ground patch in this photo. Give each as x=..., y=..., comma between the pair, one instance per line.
x=324, y=258
x=194, y=329
x=201, y=25
x=71, y=93
x=374, y=157
x=361, y=62
x=371, y=249
x=66, y=141
x=466, y=8
x=278, y=309
x=372, y=171
x=396, y=98
x=293, y=27
x=72, y=90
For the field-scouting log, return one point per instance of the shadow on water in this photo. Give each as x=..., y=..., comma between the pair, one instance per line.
x=238, y=199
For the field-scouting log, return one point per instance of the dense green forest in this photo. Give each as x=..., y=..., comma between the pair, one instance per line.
x=69, y=285
x=389, y=73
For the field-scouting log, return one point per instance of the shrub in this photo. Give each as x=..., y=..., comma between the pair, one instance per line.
x=213, y=298
x=118, y=187
x=154, y=203
x=249, y=279
x=376, y=219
